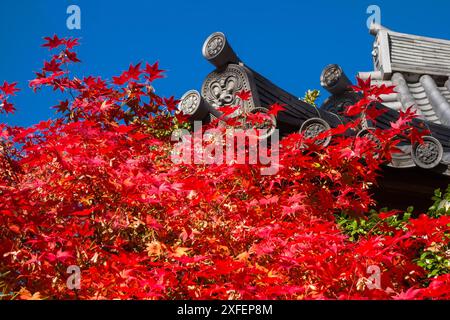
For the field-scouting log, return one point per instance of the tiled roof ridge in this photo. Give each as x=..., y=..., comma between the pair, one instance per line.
x=375, y=28
x=409, y=54
x=418, y=66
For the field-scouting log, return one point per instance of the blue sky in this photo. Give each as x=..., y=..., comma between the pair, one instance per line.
x=287, y=41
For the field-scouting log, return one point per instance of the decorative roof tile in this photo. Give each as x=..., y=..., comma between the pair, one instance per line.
x=419, y=67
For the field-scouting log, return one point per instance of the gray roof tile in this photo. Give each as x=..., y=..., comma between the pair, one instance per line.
x=419, y=67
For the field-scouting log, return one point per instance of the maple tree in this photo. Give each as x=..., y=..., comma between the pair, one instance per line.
x=96, y=188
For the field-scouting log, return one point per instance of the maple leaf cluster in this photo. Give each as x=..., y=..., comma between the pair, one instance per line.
x=96, y=188
x=7, y=90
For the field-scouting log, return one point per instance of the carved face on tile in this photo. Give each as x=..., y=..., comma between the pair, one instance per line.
x=224, y=90
x=220, y=88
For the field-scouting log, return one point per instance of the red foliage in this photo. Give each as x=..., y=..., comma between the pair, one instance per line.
x=96, y=188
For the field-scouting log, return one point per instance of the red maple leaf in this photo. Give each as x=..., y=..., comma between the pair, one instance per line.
x=9, y=88
x=83, y=213
x=181, y=117
x=72, y=56
x=404, y=118
x=53, y=43
x=363, y=86
x=416, y=136
x=385, y=215
x=124, y=129
x=43, y=125
x=171, y=103
x=342, y=128
x=275, y=108
x=257, y=118
x=134, y=72
x=153, y=72
x=7, y=107
x=139, y=136
x=122, y=79
x=71, y=43
x=244, y=95
x=374, y=113
x=52, y=66
x=227, y=110
x=63, y=255
x=42, y=79
x=63, y=106
x=383, y=89
x=357, y=108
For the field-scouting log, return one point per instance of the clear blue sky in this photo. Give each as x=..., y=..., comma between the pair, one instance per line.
x=287, y=41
